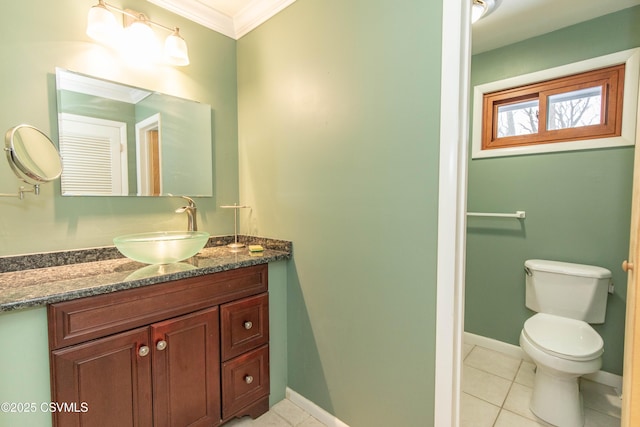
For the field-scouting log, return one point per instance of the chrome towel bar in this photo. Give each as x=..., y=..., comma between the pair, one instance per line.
x=517, y=214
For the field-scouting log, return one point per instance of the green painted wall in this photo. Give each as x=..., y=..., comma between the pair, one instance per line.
x=39, y=35
x=338, y=138
x=277, y=330
x=24, y=367
x=578, y=204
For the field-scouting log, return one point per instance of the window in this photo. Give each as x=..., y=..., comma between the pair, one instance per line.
x=590, y=104
x=581, y=106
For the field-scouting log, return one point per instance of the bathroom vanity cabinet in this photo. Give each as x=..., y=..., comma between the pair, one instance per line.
x=190, y=352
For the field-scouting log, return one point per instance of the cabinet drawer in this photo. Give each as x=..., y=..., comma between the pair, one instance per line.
x=245, y=379
x=244, y=325
x=80, y=320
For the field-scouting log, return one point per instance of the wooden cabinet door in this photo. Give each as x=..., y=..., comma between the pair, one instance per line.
x=186, y=370
x=106, y=382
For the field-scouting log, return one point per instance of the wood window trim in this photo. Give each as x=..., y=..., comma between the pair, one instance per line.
x=610, y=79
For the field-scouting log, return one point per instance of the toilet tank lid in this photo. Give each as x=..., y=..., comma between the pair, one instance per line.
x=567, y=268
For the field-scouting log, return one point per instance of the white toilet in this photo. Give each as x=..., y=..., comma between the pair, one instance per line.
x=567, y=297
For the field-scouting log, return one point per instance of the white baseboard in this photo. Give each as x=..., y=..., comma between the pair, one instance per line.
x=313, y=409
x=499, y=346
x=602, y=377
x=606, y=378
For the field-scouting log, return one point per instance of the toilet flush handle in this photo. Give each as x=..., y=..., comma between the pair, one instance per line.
x=626, y=265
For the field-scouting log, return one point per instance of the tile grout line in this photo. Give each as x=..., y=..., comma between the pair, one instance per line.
x=501, y=408
x=507, y=394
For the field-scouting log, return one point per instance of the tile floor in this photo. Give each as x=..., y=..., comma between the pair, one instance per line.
x=282, y=414
x=496, y=390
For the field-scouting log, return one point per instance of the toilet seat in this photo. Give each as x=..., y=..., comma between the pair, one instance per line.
x=563, y=337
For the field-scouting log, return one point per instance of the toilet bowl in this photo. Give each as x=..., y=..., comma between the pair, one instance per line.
x=562, y=349
x=567, y=298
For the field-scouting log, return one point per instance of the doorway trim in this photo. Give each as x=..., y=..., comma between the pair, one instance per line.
x=143, y=153
x=452, y=201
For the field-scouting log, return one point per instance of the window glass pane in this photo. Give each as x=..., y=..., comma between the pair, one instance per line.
x=575, y=109
x=518, y=119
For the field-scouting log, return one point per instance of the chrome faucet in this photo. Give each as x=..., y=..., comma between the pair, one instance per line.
x=192, y=224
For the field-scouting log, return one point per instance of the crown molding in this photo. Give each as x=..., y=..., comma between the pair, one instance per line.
x=257, y=12
x=200, y=13
x=75, y=82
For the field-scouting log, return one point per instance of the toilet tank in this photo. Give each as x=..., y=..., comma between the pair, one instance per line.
x=570, y=290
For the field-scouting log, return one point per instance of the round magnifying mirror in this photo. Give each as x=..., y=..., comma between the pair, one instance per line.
x=32, y=155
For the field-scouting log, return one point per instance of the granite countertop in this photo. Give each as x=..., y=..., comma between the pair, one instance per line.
x=40, y=279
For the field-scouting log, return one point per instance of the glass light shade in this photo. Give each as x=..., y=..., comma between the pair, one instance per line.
x=175, y=50
x=140, y=43
x=478, y=9
x=102, y=25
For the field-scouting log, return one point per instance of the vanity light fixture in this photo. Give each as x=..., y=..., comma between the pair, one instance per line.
x=136, y=38
x=481, y=8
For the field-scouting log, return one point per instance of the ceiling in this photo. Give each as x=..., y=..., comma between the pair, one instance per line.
x=510, y=22
x=516, y=20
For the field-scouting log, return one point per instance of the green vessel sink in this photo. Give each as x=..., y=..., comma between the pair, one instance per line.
x=162, y=247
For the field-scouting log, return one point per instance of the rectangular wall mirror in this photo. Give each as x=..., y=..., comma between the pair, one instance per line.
x=119, y=140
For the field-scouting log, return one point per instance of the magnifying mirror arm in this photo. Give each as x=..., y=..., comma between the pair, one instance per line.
x=20, y=194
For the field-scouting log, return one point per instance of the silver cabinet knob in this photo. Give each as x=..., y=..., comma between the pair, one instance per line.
x=143, y=351
x=248, y=379
x=248, y=325
x=161, y=345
